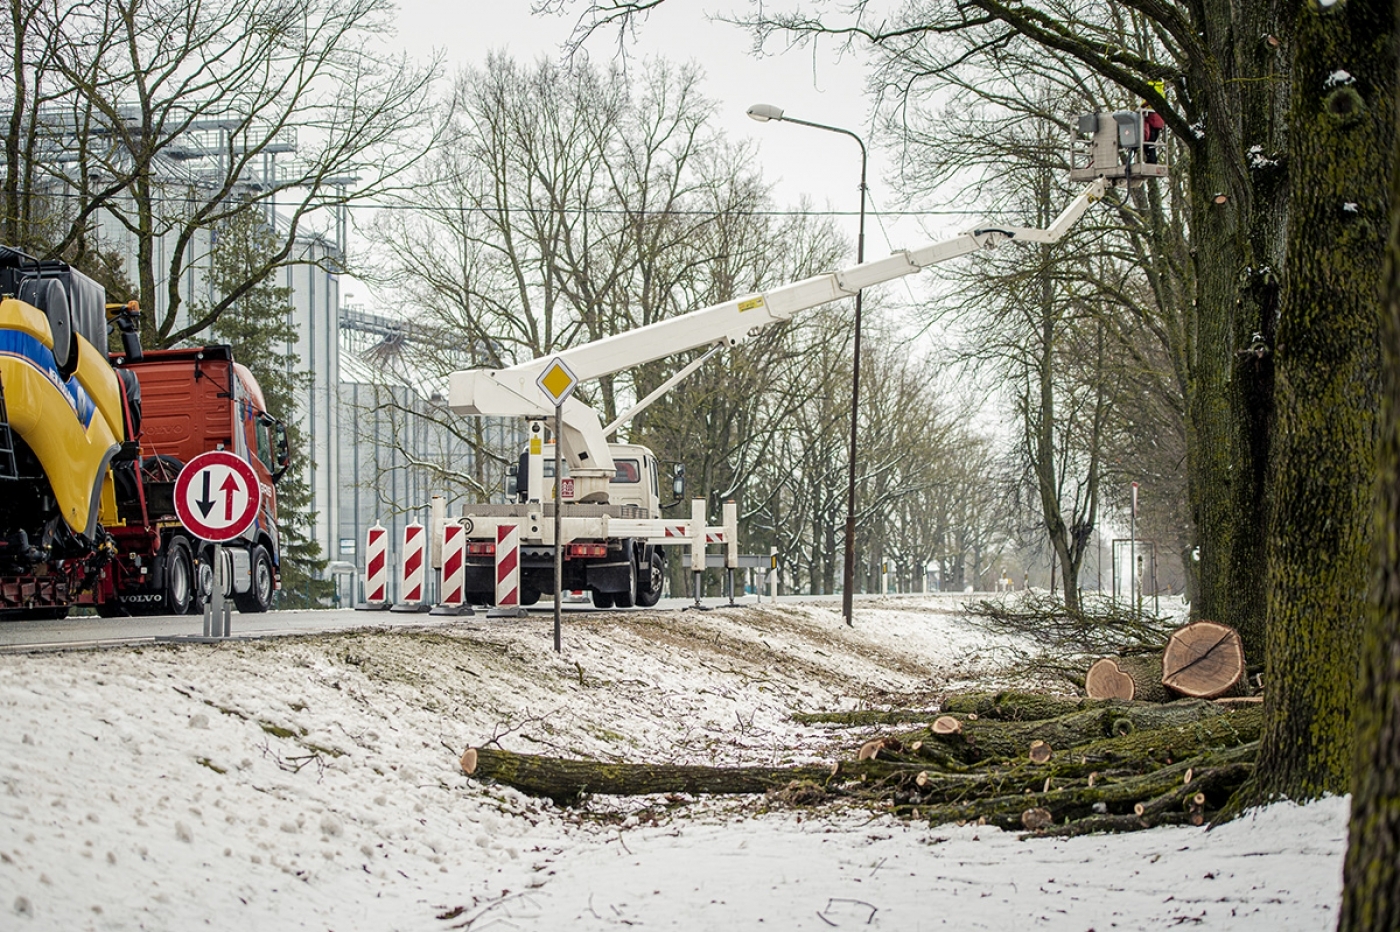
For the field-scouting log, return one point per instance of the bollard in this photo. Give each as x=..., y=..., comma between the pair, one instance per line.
x=507, y=572
x=454, y=545
x=698, y=539
x=376, y=569
x=415, y=559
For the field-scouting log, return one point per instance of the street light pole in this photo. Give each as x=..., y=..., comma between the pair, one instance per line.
x=763, y=113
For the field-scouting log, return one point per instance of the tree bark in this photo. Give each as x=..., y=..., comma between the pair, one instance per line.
x=1013, y=706
x=1371, y=876
x=1341, y=152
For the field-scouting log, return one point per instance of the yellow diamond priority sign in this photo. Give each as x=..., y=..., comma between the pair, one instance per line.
x=557, y=381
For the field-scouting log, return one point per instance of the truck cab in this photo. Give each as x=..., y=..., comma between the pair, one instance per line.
x=636, y=483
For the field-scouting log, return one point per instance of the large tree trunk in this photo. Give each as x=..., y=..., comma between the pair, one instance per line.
x=1322, y=474
x=1237, y=217
x=1371, y=891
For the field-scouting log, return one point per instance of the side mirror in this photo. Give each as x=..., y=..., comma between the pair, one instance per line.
x=512, y=481
x=284, y=452
x=678, y=481
x=127, y=319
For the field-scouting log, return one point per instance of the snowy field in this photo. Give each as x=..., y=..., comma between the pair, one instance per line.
x=313, y=783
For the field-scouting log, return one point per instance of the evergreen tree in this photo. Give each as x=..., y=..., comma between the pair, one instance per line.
x=260, y=329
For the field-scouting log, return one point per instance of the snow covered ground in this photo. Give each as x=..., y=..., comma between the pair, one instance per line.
x=312, y=782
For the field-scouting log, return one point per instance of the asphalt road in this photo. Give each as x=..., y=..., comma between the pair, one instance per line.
x=98, y=632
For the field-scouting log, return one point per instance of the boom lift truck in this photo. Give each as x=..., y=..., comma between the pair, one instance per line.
x=613, y=531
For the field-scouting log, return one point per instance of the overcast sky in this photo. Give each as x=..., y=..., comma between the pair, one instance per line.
x=820, y=86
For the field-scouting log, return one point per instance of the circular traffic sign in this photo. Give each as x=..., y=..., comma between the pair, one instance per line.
x=217, y=496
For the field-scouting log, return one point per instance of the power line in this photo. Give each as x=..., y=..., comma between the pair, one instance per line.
x=588, y=211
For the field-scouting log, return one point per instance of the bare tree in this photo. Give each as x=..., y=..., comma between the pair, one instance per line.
x=165, y=121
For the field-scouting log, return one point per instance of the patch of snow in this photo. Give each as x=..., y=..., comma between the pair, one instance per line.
x=1338, y=78
x=313, y=782
x=1257, y=158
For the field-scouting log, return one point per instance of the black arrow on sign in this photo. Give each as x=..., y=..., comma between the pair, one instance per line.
x=206, y=504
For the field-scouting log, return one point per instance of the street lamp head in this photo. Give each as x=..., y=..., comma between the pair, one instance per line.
x=765, y=112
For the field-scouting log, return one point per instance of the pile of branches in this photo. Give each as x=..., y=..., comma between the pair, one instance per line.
x=1097, y=627
x=1024, y=761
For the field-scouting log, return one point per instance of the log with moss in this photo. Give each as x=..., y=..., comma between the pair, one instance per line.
x=566, y=781
x=1015, y=706
x=863, y=717
x=989, y=739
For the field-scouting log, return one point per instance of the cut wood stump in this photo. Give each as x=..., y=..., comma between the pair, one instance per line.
x=1203, y=659
x=946, y=725
x=1137, y=677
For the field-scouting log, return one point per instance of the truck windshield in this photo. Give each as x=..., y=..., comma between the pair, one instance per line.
x=627, y=470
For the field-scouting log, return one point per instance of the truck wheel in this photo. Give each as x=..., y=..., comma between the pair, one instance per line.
x=179, y=578
x=602, y=599
x=627, y=597
x=649, y=592
x=202, y=590
x=529, y=596
x=258, y=598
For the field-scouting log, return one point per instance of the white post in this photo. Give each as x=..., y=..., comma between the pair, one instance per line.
x=697, y=544
x=436, y=522
x=731, y=543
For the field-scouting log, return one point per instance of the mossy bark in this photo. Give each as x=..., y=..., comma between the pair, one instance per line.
x=1323, y=468
x=1371, y=876
x=1014, y=706
x=1238, y=104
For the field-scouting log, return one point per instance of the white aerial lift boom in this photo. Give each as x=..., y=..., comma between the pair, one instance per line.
x=1109, y=149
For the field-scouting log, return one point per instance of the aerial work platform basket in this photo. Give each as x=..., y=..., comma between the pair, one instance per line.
x=1125, y=145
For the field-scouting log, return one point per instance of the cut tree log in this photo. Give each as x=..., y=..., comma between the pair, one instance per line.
x=946, y=725
x=988, y=738
x=862, y=717
x=566, y=781
x=1014, y=706
x=1137, y=677
x=1203, y=659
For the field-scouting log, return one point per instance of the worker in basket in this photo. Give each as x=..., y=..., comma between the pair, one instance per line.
x=1153, y=124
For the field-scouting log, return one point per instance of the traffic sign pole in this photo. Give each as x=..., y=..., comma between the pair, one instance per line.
x=558, y=522
x=218, y=612
x=558, y=382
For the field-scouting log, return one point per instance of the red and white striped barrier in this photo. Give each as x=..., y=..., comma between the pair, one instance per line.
x=376, y=568
x=413, y=569
x=507, y=566
x=454, y=596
